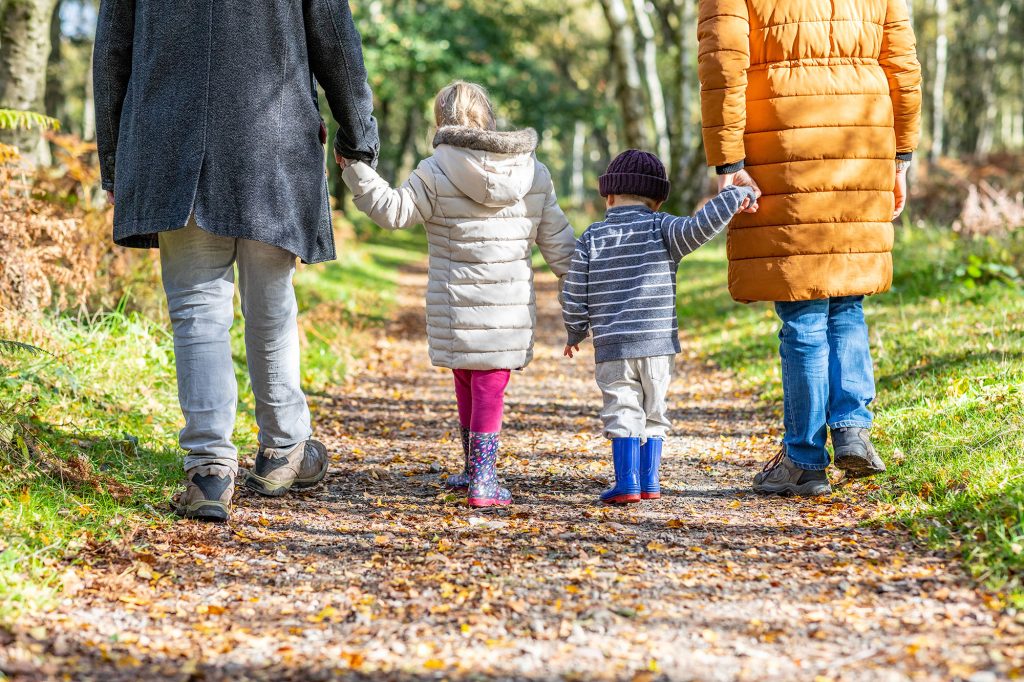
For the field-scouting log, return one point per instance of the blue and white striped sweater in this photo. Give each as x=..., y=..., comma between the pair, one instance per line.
x=622, y=284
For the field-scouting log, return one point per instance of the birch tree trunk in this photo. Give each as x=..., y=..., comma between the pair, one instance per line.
x=643, y=10
x=579, y=143
x=939, y=85
x=629, y=92
x=24, y=51
x=688, y=171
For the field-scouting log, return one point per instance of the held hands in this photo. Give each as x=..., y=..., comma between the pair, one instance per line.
x=568, y=352
x=741, y=179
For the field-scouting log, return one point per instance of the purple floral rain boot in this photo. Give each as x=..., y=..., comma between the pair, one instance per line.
x=484, y=490
x=458, y=481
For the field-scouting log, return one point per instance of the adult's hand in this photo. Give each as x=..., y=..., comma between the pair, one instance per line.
x=901, y=193
x=110, y=197
x=741, y=179
x=342, y=163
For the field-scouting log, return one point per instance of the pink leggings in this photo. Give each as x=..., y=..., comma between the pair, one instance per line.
x=481, y=396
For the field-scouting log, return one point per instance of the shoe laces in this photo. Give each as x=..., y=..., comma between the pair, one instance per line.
x=775, y=461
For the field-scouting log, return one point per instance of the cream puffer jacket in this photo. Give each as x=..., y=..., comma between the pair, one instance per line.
x=485, y=200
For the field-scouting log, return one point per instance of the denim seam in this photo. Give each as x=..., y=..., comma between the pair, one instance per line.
x=808, y=467
x=850, y=423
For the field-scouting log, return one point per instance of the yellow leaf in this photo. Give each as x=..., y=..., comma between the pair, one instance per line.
x=656, y=546
x=434, y=664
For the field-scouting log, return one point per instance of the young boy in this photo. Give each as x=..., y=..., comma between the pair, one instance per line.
x=622, y=286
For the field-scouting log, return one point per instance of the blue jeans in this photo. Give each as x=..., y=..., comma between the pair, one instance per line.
x=827, y=378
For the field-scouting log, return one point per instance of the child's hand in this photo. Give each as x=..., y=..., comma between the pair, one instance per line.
x=569, y=350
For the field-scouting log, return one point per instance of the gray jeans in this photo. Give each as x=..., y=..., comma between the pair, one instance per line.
x=199, y=280
x=635, y=392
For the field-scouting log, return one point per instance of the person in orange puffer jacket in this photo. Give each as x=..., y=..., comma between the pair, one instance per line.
x=817, y=105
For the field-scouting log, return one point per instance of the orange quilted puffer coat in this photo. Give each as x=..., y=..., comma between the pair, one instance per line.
x=818, y=98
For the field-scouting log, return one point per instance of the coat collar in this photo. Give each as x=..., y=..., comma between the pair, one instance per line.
x=625, y=214
x=495, y=141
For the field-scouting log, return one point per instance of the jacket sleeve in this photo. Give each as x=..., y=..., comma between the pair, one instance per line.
x=683, y=236
x=336, y=57
x=575, y=312
x=723, y=56
x=898, y=58
x=112, y=70
x=555, y=236
x=392, y=209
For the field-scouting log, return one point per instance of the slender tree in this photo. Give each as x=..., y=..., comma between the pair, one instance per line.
x=24, y=52
x=643, y=10
x=629, y=88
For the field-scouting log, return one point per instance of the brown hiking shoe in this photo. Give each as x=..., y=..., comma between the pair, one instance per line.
x=781, y=476
x=855, y=454
x=207, y=495
x=278, y=470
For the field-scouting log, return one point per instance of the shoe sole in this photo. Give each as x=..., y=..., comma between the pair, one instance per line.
x=629, y=498
x=207, y=510
x=650, y=496
x=264, y=487
x=856, y=466
x=806, y=490
x=487, y=502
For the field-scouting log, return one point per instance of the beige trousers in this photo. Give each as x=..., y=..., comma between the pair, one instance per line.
x=635, y=396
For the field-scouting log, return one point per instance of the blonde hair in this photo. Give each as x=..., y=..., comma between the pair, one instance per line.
x=464, y=104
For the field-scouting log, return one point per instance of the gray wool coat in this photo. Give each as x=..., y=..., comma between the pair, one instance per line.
x=209, y=106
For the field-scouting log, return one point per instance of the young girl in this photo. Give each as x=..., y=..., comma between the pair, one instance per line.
x=485, y=200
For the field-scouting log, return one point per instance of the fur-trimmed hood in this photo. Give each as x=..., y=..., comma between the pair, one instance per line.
x=493, y=168
x=495, y=141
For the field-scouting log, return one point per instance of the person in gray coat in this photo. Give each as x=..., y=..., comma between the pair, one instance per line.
x=211, y=147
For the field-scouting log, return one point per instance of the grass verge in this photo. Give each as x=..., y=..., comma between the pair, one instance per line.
x=948, y=345
x=88, y=425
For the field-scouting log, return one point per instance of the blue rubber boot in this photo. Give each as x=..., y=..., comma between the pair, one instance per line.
x=650, y=469
x=626, y=456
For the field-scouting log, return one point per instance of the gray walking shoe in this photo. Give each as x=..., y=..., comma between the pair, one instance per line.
x=781, y=476
x=854, y=452
x=207, y=495
x=278, y=470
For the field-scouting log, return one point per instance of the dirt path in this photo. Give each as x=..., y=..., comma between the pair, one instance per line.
x=379, y=575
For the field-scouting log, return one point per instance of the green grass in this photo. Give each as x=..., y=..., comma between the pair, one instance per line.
x=948, y=345
x=88, y=429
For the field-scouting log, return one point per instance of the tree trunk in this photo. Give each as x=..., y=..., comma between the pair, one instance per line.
x=579, y=143
x=629, y=90
x=55, y=97
x=643, y=9
x=939, y=85
x=688, y=168
x=24, y=50
x=89, y=107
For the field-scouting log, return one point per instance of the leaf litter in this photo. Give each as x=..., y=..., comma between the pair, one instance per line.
x=382, y=573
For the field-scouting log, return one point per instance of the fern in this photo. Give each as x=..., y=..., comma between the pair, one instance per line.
x=11, y=119
x=9, y=347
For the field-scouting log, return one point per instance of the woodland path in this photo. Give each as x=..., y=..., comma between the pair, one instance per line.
x=379, y=575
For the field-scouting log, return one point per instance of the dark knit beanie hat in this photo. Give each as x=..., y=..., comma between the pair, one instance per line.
x=638, y=173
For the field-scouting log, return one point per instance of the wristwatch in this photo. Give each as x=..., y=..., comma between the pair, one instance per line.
x=902, y=165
